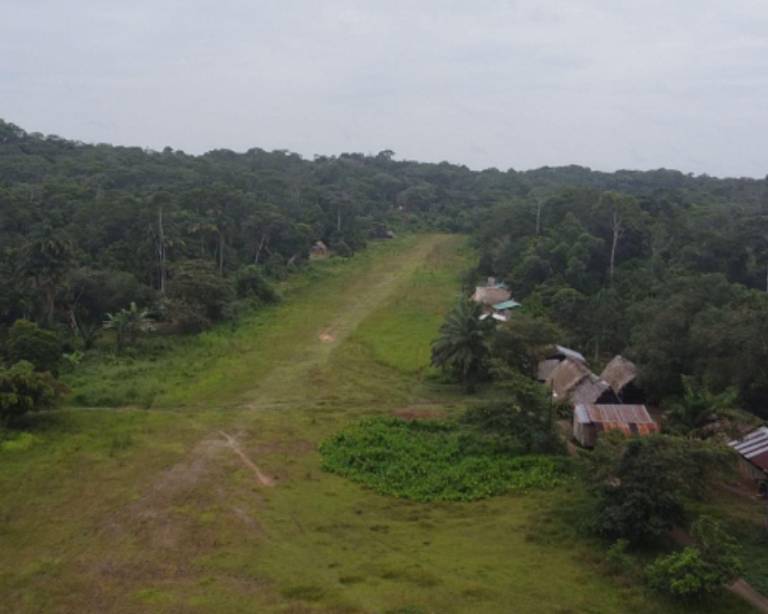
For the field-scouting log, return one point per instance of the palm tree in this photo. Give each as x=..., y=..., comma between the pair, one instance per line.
x=129, y=323
x=462, y=347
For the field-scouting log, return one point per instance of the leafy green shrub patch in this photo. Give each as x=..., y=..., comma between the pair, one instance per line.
x=433, y=461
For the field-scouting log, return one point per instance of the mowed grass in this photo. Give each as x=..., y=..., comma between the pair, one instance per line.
x=398, y=334
x=151, y=511
x=218, y=364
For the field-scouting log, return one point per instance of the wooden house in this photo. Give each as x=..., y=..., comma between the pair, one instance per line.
x=753, y=454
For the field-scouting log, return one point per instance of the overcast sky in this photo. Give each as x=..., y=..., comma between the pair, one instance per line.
x=603, y=83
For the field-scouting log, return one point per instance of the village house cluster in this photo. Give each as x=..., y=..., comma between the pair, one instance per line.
x=610, y=401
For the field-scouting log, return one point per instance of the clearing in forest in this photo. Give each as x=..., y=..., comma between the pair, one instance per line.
x=213, y=500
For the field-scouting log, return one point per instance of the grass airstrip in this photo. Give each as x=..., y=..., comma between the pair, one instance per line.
x=190, y=480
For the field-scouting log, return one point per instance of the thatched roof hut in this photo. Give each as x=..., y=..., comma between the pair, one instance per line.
x=566, y=376
x=573, y=381
x=553, y=356
x=621, y=374
x=594, y=390
x=491, y=295
x=319, y=250
x=546, y=367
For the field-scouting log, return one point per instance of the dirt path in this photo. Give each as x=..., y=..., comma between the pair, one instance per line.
x=161, y=524
x=740, y=587
x=290, y=381
x=263, y=479
x=744, y=590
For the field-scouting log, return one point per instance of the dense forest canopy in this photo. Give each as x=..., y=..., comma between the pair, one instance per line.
x=668, y=267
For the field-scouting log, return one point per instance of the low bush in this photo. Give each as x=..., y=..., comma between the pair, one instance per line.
x=617, y=560
x=683, y=575
x=27, y=341
x=251, y=283
x=197, y=284
x=22, y=389
x=697, y=570
x=433, y=461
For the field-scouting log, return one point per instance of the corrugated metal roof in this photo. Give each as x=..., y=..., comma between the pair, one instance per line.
x=630, y=419
x=569, y=353
x=619, y=413
x=754, y=447
x=510, y=304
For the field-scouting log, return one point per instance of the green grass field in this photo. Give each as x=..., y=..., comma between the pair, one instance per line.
x=214, y=500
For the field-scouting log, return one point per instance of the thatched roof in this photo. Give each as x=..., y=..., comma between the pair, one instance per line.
x=590, y=390
x=619, y=372
x=566, y=376
x=546, y=367
x=491, y=295
x=319, y=248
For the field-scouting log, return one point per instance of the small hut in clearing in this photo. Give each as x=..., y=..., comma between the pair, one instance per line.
x=319, y=250
x=589, y=420
x=753, y=454
x=621, y=375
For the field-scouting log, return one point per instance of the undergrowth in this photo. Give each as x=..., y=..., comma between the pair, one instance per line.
x=433, y=461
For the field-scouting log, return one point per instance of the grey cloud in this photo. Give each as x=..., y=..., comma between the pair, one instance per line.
x=518, y=84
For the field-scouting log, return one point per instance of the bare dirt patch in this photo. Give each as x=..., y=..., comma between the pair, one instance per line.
x=326, y=336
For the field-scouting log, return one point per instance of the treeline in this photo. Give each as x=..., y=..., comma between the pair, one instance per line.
x=94, y=237
x=677, y=284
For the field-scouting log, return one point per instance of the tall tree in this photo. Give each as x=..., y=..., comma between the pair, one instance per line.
x=46, y=260
x=462, y=348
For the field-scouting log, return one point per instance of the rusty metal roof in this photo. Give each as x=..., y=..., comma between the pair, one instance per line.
x=754, y=447
x=631, y=419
